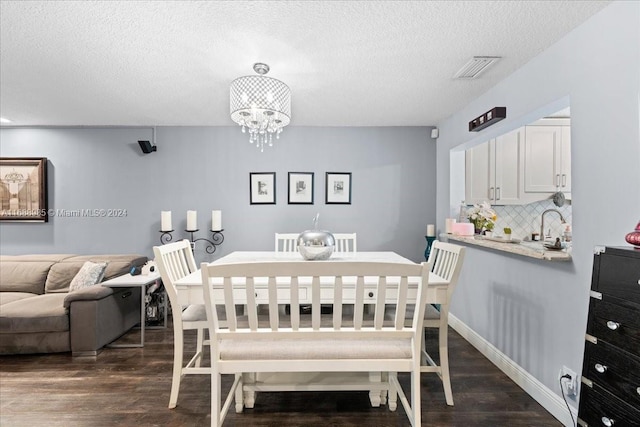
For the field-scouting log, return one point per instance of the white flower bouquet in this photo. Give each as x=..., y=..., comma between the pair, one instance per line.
x=482, y=216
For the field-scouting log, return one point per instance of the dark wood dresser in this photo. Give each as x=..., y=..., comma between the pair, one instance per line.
x=610, y=392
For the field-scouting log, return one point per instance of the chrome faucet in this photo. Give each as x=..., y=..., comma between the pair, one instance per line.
x=542, y=236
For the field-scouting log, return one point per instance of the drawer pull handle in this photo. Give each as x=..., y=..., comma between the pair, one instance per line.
x=613, y=325
x=370, y=294
x=601, y=368
x=608, y=421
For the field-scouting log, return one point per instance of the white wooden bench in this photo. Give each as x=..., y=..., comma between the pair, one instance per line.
x=347, y=342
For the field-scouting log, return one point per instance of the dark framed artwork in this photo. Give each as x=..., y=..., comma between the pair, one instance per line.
x=338, y=188
x=300, y=188
x=23, y=189
x=262, y=188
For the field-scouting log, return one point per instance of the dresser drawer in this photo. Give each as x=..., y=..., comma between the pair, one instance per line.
x=615, y=321
x=616, y=272
x=597, y=406
x=614, y=370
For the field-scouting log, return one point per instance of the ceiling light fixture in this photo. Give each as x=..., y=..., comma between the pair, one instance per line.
x=4, y=120
x=260, y=104
x=476, y=66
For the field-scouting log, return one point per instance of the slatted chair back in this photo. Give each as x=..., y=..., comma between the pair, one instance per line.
x=175, y=261
x=286, y=242
x=340, y=342
x=446, y=260
x=346, y=242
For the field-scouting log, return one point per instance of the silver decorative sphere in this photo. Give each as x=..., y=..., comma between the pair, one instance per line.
x=316, y=245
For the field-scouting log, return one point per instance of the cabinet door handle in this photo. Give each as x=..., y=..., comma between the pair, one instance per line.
x=558, y=180
x=613, y=325
x=601, y=368
x=564, y=179
x=607, y=421
x=370, y=294
x=497, y=193
x=490, y=193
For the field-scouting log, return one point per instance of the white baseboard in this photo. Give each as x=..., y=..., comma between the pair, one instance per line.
x=549, y=400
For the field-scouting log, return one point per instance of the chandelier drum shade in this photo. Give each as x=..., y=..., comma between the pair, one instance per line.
x=261, y=105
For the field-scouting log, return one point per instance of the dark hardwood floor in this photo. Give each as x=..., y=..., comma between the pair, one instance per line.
x=130, y=387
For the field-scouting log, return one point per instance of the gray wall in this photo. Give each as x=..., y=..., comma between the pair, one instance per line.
x=535, y=312
x=393, y=186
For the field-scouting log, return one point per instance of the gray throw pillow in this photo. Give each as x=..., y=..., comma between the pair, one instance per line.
x=90, y=274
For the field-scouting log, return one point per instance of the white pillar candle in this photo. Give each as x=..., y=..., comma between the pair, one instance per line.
x=431, y=230
x=192, y=221
x=165, y=221
x=449, y=225
x=216, y=220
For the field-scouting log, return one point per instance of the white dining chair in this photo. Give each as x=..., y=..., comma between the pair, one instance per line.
x=175, y=261
x=287, y=242
x=446, y=261
x=346, y=242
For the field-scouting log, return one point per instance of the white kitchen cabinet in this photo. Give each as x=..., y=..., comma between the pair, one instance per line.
x=547, y=159
x=493, y=170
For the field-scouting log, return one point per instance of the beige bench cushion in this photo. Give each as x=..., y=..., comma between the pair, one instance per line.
x=373, y=348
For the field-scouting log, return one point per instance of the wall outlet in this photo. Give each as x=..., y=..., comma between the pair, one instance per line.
x=569, y=386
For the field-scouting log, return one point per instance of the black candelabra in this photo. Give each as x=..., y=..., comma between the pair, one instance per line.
x=216, y=239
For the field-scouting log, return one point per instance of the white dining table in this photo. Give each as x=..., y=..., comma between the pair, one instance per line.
x=189, y=288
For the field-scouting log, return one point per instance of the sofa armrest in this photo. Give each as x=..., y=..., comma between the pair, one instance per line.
x=95, y=322
x=90, y=293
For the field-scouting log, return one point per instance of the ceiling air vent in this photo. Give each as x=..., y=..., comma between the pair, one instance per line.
x=475, y=67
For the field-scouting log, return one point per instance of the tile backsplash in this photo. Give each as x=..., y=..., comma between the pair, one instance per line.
x=525, y=219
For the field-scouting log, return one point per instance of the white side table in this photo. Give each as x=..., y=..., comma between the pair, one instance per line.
x=140, y=281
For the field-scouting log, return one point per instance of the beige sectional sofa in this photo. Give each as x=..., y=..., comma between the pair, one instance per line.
x=38, y=314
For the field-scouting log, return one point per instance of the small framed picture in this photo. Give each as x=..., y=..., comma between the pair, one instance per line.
x=262, y=188
x=338, y=188
x=489, y=115
x=300, y=188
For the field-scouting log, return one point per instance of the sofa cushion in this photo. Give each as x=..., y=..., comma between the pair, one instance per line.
x=36, y=257
x=62, y=273
x=90, y=274
x=7, y=297
x=117, y=264
x=24, y=276
x=41, y=313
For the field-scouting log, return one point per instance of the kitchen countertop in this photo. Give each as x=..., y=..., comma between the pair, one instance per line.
x=528, y=249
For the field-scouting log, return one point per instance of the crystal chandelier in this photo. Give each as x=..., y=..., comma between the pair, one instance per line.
x=260, y=104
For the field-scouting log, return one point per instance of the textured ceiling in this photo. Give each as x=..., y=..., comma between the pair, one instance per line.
x=348, y=63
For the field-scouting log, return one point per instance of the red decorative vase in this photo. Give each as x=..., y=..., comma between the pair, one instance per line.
x=633, y=238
